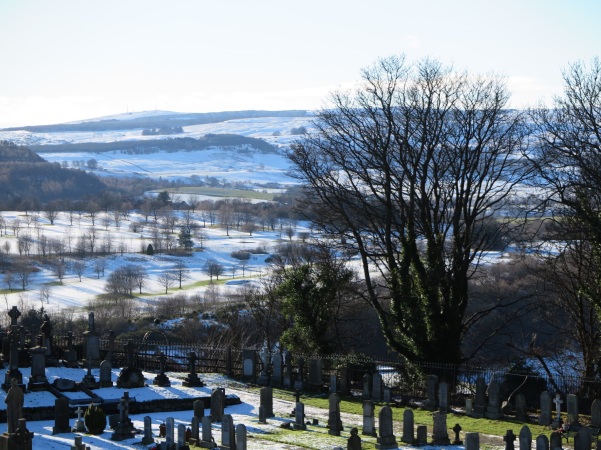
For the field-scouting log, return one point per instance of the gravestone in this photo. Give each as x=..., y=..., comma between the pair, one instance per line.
x=408, y=427
x=111, y=353
x=217, y=404
x=366, y=387
x=266, y=401
x=544, y=417
x=542, y=442
x=264, y=374
x=249, y=365
x=37, y=379
x=480, y=400
x=443, y=396
x=472, y=441
x=195, y=431
x=299, y=417
x=315, y=373
x=334, y=422
x=47, y=341
x=509, y=439
x=440, y=435
x=557, y=421
x=376, y=390
x=493, y=409
x=572, y=409
x=521, y=414
x=181, y=436
x=555, y=440
x=106, y=373
x=277, y=369
x=228, y=433
x=78, y=443
x=241, y=437
x=199, y=408
x=300, y=375
x=585, y=439
x=89, y=381
x=161, y=379
x=92, y=343
x=192, y=379
x=170, y=433
x=431, y=402
x=288, y=381
x=262, y=415
x=124, y=428
x=147, y=439
x=354, y=441
x=387, y=394
x=457, y=430
x=525, y=438
x=79, y=426
x=421, y=435
x=14, y=338
x=130, y=376
x=469, y=407
x=386, y=439
x=61, y=416
x=345, y=383
x=70, y=353
x=596, y=414
x=20, y=439
x=333, y=384
x=207, y=434
x=369, y=421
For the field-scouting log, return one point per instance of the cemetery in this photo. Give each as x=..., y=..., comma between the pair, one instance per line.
x=91, y=392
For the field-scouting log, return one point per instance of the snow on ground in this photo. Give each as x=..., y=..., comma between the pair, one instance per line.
x=260, y=436
x=73, y=293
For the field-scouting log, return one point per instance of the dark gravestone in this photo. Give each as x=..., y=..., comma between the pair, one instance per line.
x=387, y=439
x=493, y=409
x=161, y=379
x=585, y=439
x=241, y=437
x=525, y=438
x=266, y=399
x=521, y=414
x=596, y=414
x=354, y=441
x=217, y=404
x=63, y=384
x=228, y=433
x=572, y=409
x=480, y=400
x=366, y=387
x=264, y=374
x=192, y=379
x=277, y=366
x=37, y=379
x=431, y=402
x=207, y=435
x=369, y=421
x=408, y=427
x=299, y=417
x=555, y=440
x=377, y=388
x=334, y=422
x=545, y=409
x=542, y=442
x=315, y=373
x=509, y=439
x=440, y=435
x=92, y=343
x=249, y=365
x=472, y=441
x=130, y=377
x=147, y=439
x=443, y=396
x=421, y=435
x=124, y=428
x=199, y=408
x=106, y=374
x=61, y=416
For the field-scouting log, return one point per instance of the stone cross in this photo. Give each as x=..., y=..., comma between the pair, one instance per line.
x=14, y=314
x=558, y=401
x=124, y=407
x=192, y=362
x=129, y=347
x=509, y=439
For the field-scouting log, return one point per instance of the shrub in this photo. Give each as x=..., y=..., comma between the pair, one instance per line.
x=242, y=255
x=95, y=419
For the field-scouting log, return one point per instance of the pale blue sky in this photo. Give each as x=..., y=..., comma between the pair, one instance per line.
x=63, y=60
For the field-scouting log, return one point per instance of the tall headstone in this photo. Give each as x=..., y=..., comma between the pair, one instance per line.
x=266, y=400
x=92, y=343
x=207, y=434
x=14, y=338
x=181, y=435
x=376, y=392
x=195, y=430
x=509, y=439
x=542, y=442
x=217, y=404
x=277, y=369
x=315, y=373
x=572, y=409
x=198, y=408
x=106, y=374
x=408, y=427
x=431, y=402
x=344, y=378
x=366, y=387
x=162, y=379
x=192, y=379
x=555, y=440
x=480, y=400
x=521, y=413
x=170, y=432
x=369, y=421
x=147, y=439
x=299, y=417
x=525, y=438
x=70, y=353
x=440, y=434
x=61, y=416
x=545, y=409
x=241, y=437
x=472, y=441
x=130, y=376
x=38, y=379
x=557, y=420
x=299, y=382
x=334, y=422
x=596, y=414
x=585, y=439
x=333, y=383
x=493, y=409
x=443, y=396
x=288, y=380
x=264, y=374
x=249, y=365
x=386, y=439
x=124, y=428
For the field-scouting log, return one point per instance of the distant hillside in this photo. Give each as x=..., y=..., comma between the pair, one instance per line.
x=168, y=145
x=156, y=121
x=25, y=175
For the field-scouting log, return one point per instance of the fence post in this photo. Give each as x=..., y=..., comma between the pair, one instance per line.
x=228, y=361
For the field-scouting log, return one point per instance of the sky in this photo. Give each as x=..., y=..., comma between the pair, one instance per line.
x=68, y=60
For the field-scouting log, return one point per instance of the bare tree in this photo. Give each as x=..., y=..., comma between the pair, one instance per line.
x=181, y=272
x=59, y=269
x=213, y=269
x=404, y=170
x=79, y=268
x=166, y=279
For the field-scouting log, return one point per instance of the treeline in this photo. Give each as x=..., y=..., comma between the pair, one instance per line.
x=164, y=120
x=156, y=145
x=162, y=131
x=23, y=174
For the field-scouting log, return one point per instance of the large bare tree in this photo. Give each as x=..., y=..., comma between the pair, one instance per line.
x=409, y=170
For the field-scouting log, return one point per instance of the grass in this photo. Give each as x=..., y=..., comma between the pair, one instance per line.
x=222, y=192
